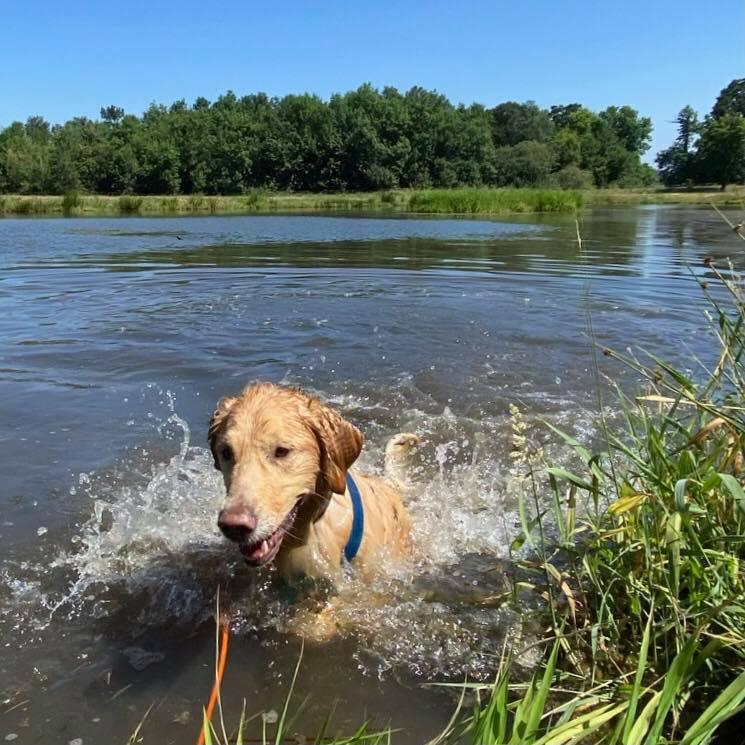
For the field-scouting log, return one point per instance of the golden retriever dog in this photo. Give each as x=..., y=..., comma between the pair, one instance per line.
x=284, y=457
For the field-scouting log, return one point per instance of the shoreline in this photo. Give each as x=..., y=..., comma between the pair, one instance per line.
x=466, y=201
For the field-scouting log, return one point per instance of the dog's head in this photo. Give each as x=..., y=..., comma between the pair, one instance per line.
x=281, y=453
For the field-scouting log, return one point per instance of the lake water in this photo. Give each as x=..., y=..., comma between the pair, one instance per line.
x=117, y=336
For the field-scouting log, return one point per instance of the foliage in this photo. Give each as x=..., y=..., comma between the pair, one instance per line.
x=731, y=100
x=475, y=201
x=712, y=151
x=722, y=150
x=513, y=123
x=612, y=714
x=677, y=163
x=365, y=139
x=571, y=176
x=525, y=164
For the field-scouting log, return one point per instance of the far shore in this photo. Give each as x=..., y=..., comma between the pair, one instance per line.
x=425, y=201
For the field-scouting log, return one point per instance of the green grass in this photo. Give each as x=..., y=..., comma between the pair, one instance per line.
x=494, y=201
x=470, y=201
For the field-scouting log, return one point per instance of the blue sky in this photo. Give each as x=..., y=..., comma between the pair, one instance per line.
x=66, y=59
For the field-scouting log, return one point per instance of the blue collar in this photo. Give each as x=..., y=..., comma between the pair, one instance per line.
x=358, y=520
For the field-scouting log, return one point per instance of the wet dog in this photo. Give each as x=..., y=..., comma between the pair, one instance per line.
x=286, y=460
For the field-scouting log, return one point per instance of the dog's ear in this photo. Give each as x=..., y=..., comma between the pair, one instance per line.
x=217, y=421
x=339, y=441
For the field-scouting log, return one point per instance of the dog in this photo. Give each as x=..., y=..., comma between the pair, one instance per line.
x=291, y=495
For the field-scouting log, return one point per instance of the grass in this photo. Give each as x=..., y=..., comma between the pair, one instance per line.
x=494, y=201
x=434, y=201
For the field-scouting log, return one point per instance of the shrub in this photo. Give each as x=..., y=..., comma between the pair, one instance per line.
x=574, y=177
x=71, y=201
x=129, y=204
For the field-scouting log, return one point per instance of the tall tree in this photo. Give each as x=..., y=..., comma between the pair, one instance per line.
x=515, y=122
x=633, y=131
x=678, y=162
x=731, y=100
x=722, y=149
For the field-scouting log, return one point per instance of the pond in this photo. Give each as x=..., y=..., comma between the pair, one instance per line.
x=117, y=337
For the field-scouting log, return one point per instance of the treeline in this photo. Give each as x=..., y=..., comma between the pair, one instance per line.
x=362, y=140
x=712, y=150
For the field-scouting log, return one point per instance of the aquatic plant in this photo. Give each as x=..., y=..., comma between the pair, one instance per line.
x=482, y=201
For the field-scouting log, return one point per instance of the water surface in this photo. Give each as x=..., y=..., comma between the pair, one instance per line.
x=117, y=336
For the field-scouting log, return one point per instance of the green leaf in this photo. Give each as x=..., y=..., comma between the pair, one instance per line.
x=676, y=676
x=641, y=725
x=725, y=705
x=563, y=474
x=733, y=486
x=539, y=702
x=206, y=728
x=680, y=494
x=636, y=688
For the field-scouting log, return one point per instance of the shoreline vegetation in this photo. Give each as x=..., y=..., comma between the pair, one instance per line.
x=467, y=201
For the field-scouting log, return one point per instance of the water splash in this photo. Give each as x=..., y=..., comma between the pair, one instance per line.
x=149, y=551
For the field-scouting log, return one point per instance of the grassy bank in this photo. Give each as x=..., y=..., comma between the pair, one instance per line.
x=426, y=201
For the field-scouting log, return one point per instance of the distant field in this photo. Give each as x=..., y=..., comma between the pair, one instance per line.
x=425, y=201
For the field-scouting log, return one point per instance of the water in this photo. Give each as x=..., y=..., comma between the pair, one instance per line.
x=117, y=336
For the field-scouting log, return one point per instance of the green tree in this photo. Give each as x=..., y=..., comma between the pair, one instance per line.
x=678, y=162
x=721, y=152
x=633, y=131
x=525, y=164
x=112, y=114
x=515, y=122
x=731, y=100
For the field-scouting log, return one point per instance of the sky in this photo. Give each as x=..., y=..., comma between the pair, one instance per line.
x=61, y=60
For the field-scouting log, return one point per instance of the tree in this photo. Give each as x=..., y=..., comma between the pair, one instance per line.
x=731, y=100
x=632, y=130
x=721, y=152
x=364, y=139
x=515, y=122
x=678, y=162
x=525, y=164
x=112, y=114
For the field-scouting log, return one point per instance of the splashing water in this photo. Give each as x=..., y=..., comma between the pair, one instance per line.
x=150, y=553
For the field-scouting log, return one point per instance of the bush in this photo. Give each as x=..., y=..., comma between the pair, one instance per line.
x=129, y=204
x=71, y=201
x=525, y=164
x=574, y=177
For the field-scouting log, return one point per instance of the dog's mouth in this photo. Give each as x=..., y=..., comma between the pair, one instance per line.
x=262, y=551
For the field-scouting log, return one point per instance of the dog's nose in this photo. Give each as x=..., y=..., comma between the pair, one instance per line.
x=237, y=524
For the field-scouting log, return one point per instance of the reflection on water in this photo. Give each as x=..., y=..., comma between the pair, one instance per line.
x=118, y=335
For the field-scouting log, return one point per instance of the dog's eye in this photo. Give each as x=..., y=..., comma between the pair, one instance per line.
x=281, y=452
x=226, y=452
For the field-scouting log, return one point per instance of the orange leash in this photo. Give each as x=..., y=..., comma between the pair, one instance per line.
x=224, y=637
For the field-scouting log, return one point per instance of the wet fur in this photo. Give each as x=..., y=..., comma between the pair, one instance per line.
x=323, y=446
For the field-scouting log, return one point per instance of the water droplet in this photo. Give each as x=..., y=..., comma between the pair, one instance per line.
x=270, y=717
